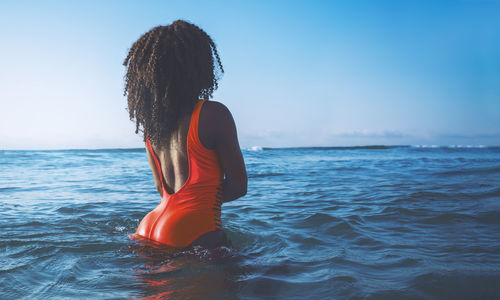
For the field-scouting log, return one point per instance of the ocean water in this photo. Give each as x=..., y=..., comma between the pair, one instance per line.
x=317, y=223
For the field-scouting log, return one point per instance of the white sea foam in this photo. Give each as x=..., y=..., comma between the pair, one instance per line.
x=254, y=148
x=426, y=146
x=120, y=228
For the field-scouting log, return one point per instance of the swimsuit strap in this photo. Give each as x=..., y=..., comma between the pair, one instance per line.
x=194, y=124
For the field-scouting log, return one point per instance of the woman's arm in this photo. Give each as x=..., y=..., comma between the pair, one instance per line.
x=155, y=172
x=228, y=150
x=224, y=140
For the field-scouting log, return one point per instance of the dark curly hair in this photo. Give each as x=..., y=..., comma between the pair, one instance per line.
x=169, y=68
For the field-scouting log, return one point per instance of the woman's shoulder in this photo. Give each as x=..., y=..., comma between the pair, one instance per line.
x=216, y=112
x=215, y=107
x=216, y=121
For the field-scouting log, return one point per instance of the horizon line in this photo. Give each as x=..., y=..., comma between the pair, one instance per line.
x=254, y=148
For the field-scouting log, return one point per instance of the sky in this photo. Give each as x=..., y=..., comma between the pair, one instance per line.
x=297, y=73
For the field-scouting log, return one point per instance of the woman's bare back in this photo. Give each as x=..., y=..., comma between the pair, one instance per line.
x=173, y=157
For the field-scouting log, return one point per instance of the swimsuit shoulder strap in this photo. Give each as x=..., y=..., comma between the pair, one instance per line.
x=193, y=125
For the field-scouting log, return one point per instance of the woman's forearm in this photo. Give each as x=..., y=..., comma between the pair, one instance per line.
x=232, y=190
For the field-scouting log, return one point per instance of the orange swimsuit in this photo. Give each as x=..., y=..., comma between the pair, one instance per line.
x=195, y=208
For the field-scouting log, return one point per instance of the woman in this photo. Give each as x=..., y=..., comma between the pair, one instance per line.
x=191, y=142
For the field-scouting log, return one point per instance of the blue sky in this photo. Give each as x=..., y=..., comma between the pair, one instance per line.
x=298, y=73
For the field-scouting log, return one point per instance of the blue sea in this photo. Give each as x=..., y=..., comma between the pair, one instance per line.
x=380, y=222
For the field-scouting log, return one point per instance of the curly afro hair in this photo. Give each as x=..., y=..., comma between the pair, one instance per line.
x=169, y=68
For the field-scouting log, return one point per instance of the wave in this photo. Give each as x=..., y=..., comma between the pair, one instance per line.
x=480, y=171
x=254, y=148
x=265, y=175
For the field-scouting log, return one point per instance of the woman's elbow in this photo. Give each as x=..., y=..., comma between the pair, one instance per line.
x=239, y=188
x=243, y=186
x=243, y=190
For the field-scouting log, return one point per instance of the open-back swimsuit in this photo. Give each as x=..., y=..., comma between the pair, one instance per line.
x=192, y=211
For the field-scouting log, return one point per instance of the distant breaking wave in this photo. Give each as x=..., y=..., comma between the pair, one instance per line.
x=254, y=148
